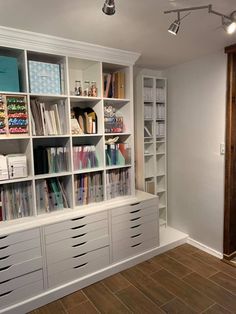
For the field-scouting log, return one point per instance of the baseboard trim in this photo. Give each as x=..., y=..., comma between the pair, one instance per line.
x=204, y=248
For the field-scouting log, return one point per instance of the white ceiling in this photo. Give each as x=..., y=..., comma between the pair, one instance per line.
x=138, y=25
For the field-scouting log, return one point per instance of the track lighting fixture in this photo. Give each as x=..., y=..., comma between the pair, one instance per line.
x=228, y=22
x=109, y=7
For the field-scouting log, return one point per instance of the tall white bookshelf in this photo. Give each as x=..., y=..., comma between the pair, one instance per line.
x=150, y=138
x=77, y=62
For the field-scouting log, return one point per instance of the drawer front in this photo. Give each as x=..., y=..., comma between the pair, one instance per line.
x=19, y=247
x=76, y=222
x=134, y=207
x=80, y=259
x=17, y=295
x=140, y=247
x=75, y=231
x=16, y=270
x=61, y=252
x=78, y=271
x=134, y=215
x=13, y=238
x=150, y=228
x=21, y=281
x=134, y=223
x=20, y=257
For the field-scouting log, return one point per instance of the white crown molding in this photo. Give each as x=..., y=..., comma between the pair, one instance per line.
x=16, y=38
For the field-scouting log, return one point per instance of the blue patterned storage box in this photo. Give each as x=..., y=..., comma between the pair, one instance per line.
x=9, y=77
x=44, y=78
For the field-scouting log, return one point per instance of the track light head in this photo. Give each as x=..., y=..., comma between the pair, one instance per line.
x=109, y=7
x=174, y=27
x=229, y=27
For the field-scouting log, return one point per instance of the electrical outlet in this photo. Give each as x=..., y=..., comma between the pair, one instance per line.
x=222, y=148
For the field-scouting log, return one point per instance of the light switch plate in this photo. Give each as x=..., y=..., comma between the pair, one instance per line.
x=222, y=148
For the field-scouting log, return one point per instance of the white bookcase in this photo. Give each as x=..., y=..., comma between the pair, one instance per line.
x=77, y=62
x=150, y=138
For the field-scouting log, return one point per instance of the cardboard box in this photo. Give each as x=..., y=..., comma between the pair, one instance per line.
x=3, y=168
x=9, y=76
x=17, y=166
x=45, y=78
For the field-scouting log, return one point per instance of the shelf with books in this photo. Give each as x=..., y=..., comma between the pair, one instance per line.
x=115, y=81
x=151, y=113
x=87, y=153
x=86, y=117
x=89, y=188
x=84, y=77
x=21, y=179
x=48, y=116
x=118, y=150
x=52, y=194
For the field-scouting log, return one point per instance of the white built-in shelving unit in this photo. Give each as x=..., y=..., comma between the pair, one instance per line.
x=150, y=138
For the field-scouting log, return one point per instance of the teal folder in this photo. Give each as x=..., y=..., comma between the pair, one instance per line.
x=9, y=76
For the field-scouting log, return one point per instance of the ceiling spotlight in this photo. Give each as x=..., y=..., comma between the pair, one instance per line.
x=229, y=26
x=109, y=7
x=174, y=27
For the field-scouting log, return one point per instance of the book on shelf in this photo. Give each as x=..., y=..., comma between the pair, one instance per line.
x=51, y=195
x=86, y=121
x=15, y=201
x=85, y=156
x=50, y=159
x=47, y=118
x=118, y=183
x=150, y=187
x=88, y=188
x=147, y=133
x=160, y=111
x=160, y=94
x=114, y=85
x=160, y=129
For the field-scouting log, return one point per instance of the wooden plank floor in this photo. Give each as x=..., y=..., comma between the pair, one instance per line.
x=184, y=280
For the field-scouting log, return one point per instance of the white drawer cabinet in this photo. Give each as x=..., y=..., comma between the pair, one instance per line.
x=134, y=207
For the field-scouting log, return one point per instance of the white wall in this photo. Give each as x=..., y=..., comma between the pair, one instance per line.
x=196, y=127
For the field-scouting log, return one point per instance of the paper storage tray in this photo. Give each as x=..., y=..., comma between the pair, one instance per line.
x=135, y=206
x=55, y=252
x=75, y=231
x=12, y=238
x=44, y=78
x=141, y=246
x=23, y=293
x=79, y=270
x=123, y=225
x=76, y=222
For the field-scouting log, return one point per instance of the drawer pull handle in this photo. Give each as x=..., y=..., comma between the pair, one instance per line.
x=3, y=237
x=136, y=244
x=5, y=281
x=74, y=219
x=78, y=227
x=78, y=236
x=5, y=268
x=80, y=265
x=79, y=244
x=135, y=226
x=6, y=293
x=135, y=204
x=5, y=257
x=4, y=247
x=80, y=255
x=135, y=211
x=133, y=219
x=136, y=235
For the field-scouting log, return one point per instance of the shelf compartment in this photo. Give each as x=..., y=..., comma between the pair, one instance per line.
x=51, y=155
x=48, y=116
x=148, y=95
x=117, y=117
x=87, y=152
x=160, y=90
x=88, y=188
x=148, y=149
x=149, y=166
x=150, y=185
x=160, y=148
x=118, y=154
x=82, y=71
x=53, y=194
x=148, y=111
x=118, y=183
x=16, y=200
x=116, y=81
x=46, y=73
x=160, y=164
x=14, y=78
x=86, y=117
